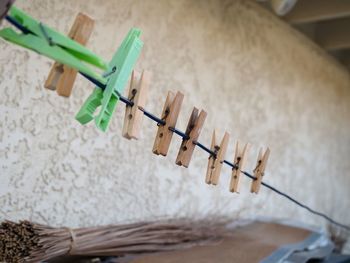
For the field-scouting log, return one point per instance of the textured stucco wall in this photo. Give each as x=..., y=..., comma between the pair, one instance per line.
x=256, y=77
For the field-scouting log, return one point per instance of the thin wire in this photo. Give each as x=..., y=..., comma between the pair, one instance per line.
x=15, y=23
x=152, y=117
x=182, y=134
x=95, y=81
x=302, y=205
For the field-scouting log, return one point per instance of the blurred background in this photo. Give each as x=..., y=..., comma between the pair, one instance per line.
x=266, y=73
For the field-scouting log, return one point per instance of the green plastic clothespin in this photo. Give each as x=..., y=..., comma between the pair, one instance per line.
x=52, y=44
x=119, y=70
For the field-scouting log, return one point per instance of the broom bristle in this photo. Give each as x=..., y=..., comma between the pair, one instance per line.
x=30, y=242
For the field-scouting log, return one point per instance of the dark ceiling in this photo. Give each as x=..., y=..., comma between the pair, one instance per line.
x=326, y=22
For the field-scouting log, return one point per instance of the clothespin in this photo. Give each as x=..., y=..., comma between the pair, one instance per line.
x=239, y=161
x=193, y=130
x=259, y=170
x=138, y=95
x=116, y=77
x=170, y=114
x=61, y=77
x=5, y=5
x=215, y=162
x=46, y=41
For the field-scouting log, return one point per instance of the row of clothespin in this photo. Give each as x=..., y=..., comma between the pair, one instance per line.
x=139, y=85
x=138, y=91
x=62, y=76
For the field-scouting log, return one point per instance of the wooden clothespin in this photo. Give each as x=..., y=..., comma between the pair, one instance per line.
x=239, y=161
x=138, y=95
x=259, y=170
x=215, y=162
x=61, y=77
x=170, y=114
x=193, y=130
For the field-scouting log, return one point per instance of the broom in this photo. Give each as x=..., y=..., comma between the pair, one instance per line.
x=30, y=242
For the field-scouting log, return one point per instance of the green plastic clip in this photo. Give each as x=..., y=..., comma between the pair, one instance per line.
x=118, y=72
x=86, y=114
x=52, y=44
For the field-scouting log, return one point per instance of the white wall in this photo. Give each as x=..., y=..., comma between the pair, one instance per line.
x=255, y=76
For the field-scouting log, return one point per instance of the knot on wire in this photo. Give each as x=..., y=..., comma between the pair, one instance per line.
x=72, y=245
x=108, y=73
